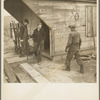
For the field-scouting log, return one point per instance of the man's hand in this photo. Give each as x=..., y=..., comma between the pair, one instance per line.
x=29, y=36
x=21, y=40
x=66, y=49
x=42, y=42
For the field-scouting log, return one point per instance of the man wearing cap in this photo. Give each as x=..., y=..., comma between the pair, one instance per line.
x=24, y=38
x=73, y=46
x=38, y=38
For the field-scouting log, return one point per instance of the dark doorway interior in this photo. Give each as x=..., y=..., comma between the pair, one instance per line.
x=47, y=39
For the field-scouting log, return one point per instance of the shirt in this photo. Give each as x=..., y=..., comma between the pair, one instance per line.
x=74, y=39
x=38, y=36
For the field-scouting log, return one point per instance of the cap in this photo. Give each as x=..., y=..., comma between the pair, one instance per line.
x=72, y=26
x=40, y=24
x=26, y=20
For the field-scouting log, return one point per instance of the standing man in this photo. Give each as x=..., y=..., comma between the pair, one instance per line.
x=24, y=38
x=38, y=38
x=73, y=46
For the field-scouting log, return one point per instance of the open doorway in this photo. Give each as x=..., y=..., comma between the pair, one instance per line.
x=46, y=51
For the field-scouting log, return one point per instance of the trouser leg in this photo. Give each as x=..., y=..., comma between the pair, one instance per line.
x=39, y=55
x=27, y=49
x=68, y=60
x=20, y=50
x=23, y=49
x=35, y=49
x=22, y=53
x=79, y=61
x=37, y=52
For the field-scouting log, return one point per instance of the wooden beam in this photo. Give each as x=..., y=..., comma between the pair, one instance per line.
x=22, y=75
x=17, y=59
x=52, y=43
x=9, y=73
x=33, y=73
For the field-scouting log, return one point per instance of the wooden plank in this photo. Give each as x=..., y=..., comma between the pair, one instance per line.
x=4, y=79
x=62, y=52
x=89, y=21
x=52, y=43
x=85, y=44
x=22, y=75
x=9, y=73
x=95, y=20
x=47, y=55
x=9, y=55
x=33, y=73
x=17, y=59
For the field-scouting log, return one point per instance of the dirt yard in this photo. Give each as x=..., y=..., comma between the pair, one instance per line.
x=53, y=69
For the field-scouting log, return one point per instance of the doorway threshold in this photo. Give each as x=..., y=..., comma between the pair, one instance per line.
x=47, y=55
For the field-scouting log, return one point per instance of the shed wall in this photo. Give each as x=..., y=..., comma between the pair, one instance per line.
x=61, y=35
x=58, y=15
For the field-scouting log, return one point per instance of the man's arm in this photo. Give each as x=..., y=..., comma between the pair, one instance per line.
x=80, y=42
x=32, y=36
x=69, y=42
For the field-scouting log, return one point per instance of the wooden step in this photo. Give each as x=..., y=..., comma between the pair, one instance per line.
x=34, y=73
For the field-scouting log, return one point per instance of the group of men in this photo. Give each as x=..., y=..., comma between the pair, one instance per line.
x=72, y=48
x=38, y=38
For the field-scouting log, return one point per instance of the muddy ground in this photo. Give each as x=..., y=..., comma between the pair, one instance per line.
x=53, y=69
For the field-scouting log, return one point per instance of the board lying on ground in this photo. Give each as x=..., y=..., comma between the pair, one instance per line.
x=9, y=73
x=33, y=73
x=22, y=75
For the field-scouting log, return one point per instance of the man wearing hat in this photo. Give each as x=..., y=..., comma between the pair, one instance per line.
x=24, y=38
x=38, y=38
x=73, y=46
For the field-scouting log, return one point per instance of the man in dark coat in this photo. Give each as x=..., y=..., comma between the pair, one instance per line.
x=73, y=46
x=38, y=38
x=24, y=38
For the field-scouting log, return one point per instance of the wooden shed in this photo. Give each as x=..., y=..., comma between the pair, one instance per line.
x=56, y=16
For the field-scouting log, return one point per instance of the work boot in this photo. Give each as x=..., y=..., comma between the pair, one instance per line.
x=67, y=68
x=81, y=69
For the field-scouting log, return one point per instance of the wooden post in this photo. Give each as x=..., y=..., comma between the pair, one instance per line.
x=52, y=44
x=93, y=30
x=11, y=30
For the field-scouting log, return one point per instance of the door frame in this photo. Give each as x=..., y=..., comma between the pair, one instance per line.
x=86, y=17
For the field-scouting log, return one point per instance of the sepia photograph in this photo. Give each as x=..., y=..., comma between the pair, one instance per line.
x=50, y=41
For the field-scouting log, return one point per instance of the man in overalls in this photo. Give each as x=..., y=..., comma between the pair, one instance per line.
x=73, y=46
